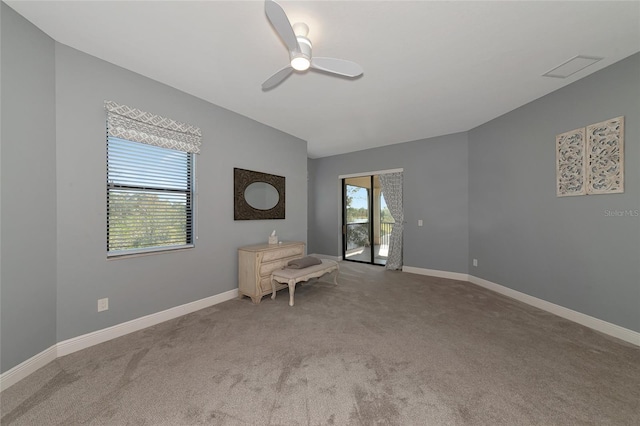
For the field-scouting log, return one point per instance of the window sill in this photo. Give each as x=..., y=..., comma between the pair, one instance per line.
x=150, y=252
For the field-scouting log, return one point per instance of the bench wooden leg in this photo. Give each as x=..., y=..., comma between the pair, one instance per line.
x=273, y=289
x=292, y=290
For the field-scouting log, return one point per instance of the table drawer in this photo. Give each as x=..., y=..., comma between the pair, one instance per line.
x=267, y=268
x=282, y=252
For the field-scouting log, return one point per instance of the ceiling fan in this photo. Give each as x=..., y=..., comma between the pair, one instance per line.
x=295, y=38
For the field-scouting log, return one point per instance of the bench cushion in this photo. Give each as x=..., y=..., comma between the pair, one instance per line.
x=303, y=262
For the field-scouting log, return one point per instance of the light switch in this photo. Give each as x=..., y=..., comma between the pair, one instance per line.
x=419, y=222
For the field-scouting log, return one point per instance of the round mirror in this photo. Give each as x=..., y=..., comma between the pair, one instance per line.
x=261, y=195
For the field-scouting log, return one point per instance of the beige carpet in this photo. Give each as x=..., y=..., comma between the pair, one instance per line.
x=382, y=348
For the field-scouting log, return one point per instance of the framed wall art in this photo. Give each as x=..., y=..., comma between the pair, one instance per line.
x=570, y=163
x=605, y=157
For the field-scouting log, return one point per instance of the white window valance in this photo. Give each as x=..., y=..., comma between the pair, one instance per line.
x=139, y=126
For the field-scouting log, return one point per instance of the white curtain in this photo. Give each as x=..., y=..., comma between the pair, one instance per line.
x=135, y=125
x=392, y=192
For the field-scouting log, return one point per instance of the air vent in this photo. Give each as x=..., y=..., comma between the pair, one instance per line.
x=572, y=66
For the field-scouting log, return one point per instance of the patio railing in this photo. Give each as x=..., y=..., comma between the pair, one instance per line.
x=385, y=232
x=358, y=234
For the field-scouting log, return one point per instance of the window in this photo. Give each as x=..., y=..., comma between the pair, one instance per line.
x=150, y=184
x=149, y=197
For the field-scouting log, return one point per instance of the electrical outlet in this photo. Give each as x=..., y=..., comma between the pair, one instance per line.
x=475, y=262
x=419, y=222
x=103, y=304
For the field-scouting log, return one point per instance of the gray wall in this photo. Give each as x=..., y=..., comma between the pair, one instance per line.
x=435, y=190
x=563, y=250
x=54, y=264
x=28, y=189
x=568, y=251
x=144, y=285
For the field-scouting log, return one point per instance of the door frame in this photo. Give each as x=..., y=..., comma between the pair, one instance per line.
x=342, y=211
x=370, y=218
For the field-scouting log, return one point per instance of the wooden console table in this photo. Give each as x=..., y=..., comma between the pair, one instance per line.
x=257, y=262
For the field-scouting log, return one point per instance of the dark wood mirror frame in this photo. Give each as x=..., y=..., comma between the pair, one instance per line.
x=244, y=211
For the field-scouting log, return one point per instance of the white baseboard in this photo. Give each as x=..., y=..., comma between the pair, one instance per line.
x=605, y=327
x=74, y=344
x=69, y=346
x=22, y=370
x=326, y=256
x=436, y=273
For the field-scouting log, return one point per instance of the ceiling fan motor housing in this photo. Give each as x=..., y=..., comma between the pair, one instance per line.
x=305, y=48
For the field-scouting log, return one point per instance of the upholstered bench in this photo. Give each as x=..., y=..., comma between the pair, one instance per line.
x=294, y=276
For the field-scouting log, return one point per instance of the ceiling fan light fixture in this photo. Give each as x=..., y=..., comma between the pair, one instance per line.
x=300, y=63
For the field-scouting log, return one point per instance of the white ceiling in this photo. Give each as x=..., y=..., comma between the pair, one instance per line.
x=430, y=68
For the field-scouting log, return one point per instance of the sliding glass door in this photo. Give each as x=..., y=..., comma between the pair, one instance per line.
x=366, y=221
x=356, y=230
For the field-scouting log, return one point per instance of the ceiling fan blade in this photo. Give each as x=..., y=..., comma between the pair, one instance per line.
x=281, y=23
x=337, y=66
x=277, y=78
